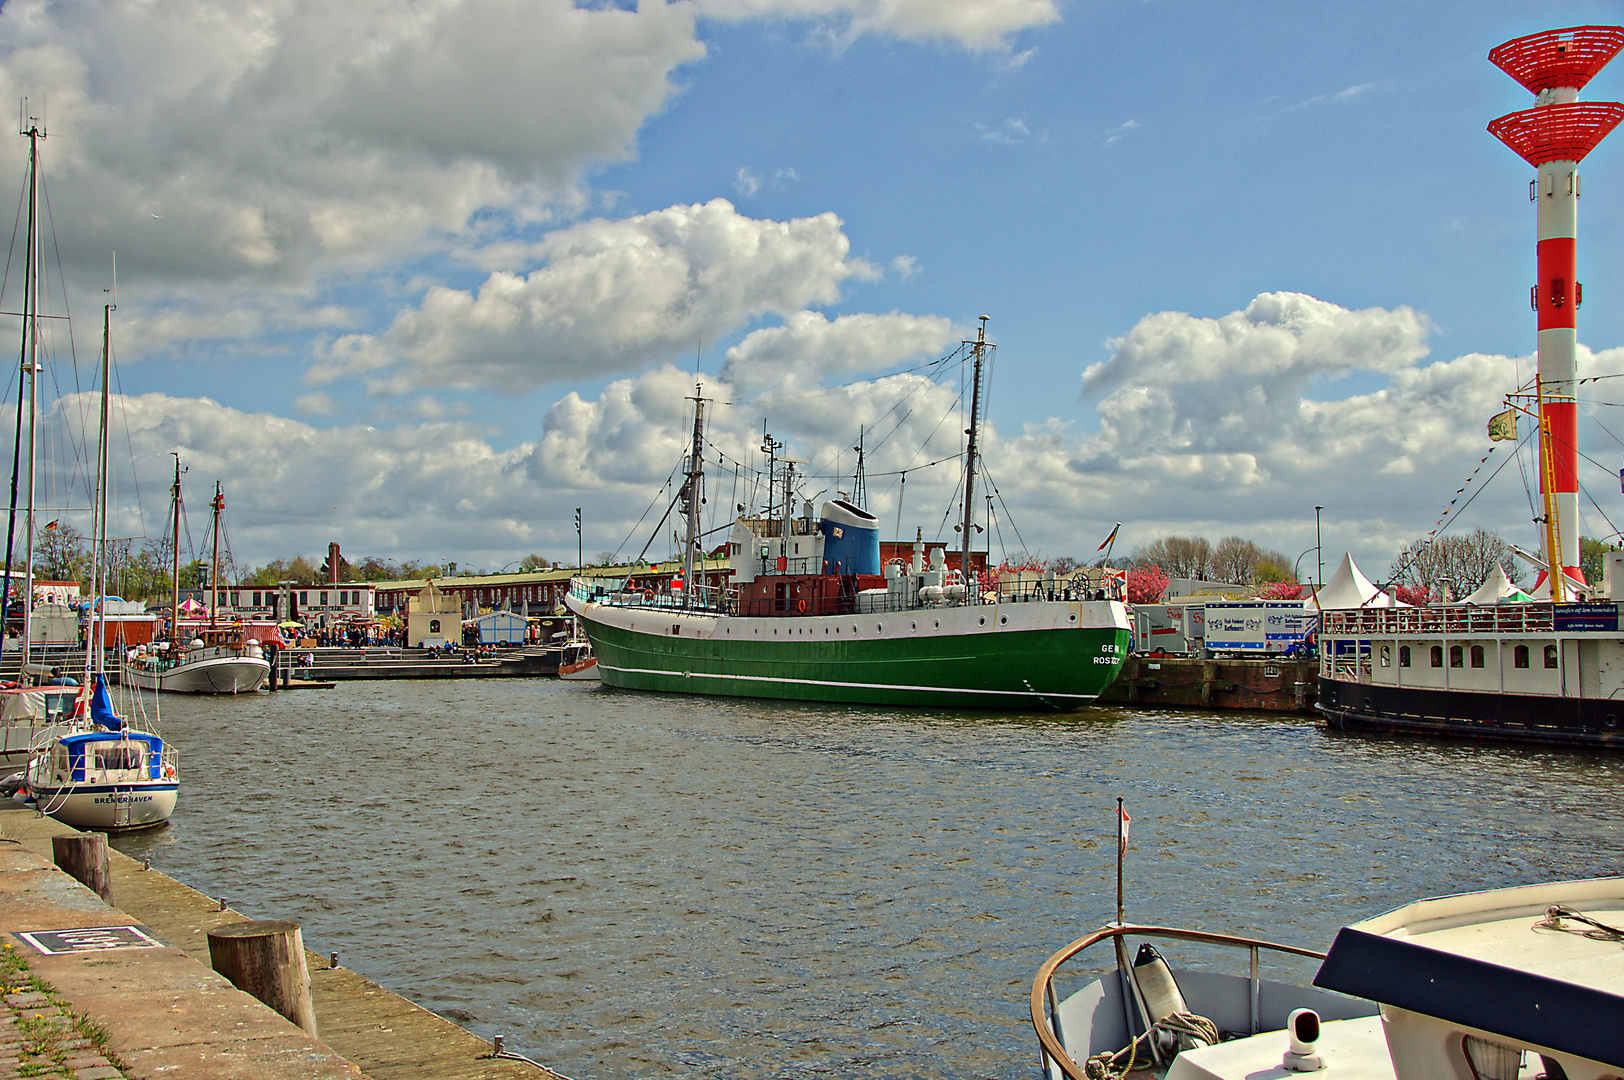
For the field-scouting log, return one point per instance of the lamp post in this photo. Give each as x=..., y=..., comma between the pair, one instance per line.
x=1299, y=562
x=1319, y=547
x=580, y=553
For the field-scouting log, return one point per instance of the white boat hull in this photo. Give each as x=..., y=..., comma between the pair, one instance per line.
x=109, y=807
x=583, y=670
x=215, y=675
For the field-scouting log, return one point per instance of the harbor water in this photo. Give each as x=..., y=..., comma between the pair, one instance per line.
x=630, y=885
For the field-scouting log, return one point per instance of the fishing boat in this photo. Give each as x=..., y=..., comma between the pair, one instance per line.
x=810, y=614
x=95, y=770
x=1492, y=985
x=217, y=658
x=1498, y=665
x=577, y=661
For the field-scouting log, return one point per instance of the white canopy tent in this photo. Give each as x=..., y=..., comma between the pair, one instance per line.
x=1349, y=588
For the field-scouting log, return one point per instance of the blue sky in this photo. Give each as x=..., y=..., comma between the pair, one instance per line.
x=307, y=206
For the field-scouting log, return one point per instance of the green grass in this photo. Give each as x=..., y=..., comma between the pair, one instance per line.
x=44, y=1028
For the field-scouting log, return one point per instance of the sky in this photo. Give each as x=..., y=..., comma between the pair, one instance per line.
x=424, y=277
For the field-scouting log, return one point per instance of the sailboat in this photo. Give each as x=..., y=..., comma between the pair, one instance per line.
x=95, y=770
x=812, y=615
x=217, y=658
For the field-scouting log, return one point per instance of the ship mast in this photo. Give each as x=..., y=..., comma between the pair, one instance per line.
x=691, y=495
x=174, y=510
x=979, y=348
x=859, y=484
x=34, y=131
x=98, y=549
x=218, y=503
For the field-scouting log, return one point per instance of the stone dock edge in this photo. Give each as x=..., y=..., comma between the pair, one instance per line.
x=167, y=1014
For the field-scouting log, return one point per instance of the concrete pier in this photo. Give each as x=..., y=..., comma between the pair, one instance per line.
x=1267, y=685
x=164, y=1012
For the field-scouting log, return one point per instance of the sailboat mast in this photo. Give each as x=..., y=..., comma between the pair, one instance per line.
x=174, y=513
x=34, y=133
x=31, y=289
x=696, y=475
x=979, y=347
x=214, y=559
x=96, y=642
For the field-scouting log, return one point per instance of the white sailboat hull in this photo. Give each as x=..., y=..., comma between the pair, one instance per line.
x=213, y=675
x=109, y=807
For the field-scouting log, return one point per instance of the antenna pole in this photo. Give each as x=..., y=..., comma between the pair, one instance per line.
x=219, y=504
x=174, y=510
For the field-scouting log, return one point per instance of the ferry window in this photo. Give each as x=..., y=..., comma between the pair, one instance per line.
x=257, y=597
x=1519, y=656
x=304, y=598
x=1437, y=656
x=1403, y=656
x=1457, y=656
x=1550, y=656
x=324, y=599
x=1387, y=656
x=434, y=626
x=1477, y=656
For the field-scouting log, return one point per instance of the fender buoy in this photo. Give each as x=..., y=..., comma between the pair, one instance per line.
x=800, y=605
x=169, y=771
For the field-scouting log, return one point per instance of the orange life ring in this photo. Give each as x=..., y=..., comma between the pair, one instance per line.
x=648, y=595
x=800, y=605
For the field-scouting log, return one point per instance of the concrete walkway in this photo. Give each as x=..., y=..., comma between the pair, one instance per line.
x=163, y=1011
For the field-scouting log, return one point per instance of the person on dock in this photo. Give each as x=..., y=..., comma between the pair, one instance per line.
x=59, y=679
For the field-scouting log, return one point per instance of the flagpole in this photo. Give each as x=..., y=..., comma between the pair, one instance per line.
x=1122, y=848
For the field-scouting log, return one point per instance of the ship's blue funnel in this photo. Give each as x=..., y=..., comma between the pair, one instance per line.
x=851, y=538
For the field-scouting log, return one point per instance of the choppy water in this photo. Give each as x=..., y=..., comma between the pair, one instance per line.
x=630, y=885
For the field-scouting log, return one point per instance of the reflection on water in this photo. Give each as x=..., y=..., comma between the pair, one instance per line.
x=628, y=885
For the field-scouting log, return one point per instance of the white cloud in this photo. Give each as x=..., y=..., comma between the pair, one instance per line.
x=316, y=404
x=613, y=296
x=1115, y=135
x=1011, y=131
x=808, y=349
x=261, y=143
x=1347, y=94
x=978, y=25
x=1218, y=426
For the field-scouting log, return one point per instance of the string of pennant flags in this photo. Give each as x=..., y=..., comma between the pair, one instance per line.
x=1438, y=526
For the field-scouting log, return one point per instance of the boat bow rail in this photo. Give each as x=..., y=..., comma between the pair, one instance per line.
x=1045, y=1006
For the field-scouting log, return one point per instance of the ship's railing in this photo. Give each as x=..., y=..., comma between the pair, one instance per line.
x=1524, y=618
x=1044, y=1002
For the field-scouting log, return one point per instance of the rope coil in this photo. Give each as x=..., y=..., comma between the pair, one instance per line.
x=1181, y=1030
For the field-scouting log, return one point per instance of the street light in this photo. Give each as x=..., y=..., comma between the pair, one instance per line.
x=1319, y=546
x=1294, y=575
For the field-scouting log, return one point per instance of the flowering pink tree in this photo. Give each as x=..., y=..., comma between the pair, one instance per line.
x=1146, y=584
x=1282, y=590
x=1412, y=594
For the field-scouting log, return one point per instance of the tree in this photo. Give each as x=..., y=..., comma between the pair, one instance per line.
x=1064, y=564
x=1590, y=558
x=1146, y=584
x=61, y=554
x=533, y=562
x=1466, y=561
x=1178, y=556
x=1281, y=590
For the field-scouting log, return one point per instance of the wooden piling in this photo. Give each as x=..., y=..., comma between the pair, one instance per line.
x=266, y=959
x=84, y=858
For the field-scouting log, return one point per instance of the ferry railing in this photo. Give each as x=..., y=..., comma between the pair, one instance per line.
x=1461, y=619
x=1044, y=1004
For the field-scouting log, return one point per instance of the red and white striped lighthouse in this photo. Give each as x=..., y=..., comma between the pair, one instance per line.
x=1554, y=136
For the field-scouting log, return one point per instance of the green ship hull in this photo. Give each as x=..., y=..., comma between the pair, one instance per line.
x=1032, y=656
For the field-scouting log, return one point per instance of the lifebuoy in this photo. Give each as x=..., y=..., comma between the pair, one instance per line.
x=648, y=595
x=800, y=605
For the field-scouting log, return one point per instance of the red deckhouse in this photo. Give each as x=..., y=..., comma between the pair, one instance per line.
x=1554, y=136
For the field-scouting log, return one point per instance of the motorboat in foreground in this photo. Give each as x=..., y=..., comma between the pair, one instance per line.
x=1492, y=985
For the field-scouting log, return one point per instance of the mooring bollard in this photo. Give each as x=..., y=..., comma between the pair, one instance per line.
x=84, y=858
x=265, y=958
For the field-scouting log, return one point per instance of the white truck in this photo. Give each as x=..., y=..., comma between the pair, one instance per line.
x=1259, y=627
x=1168, y=628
